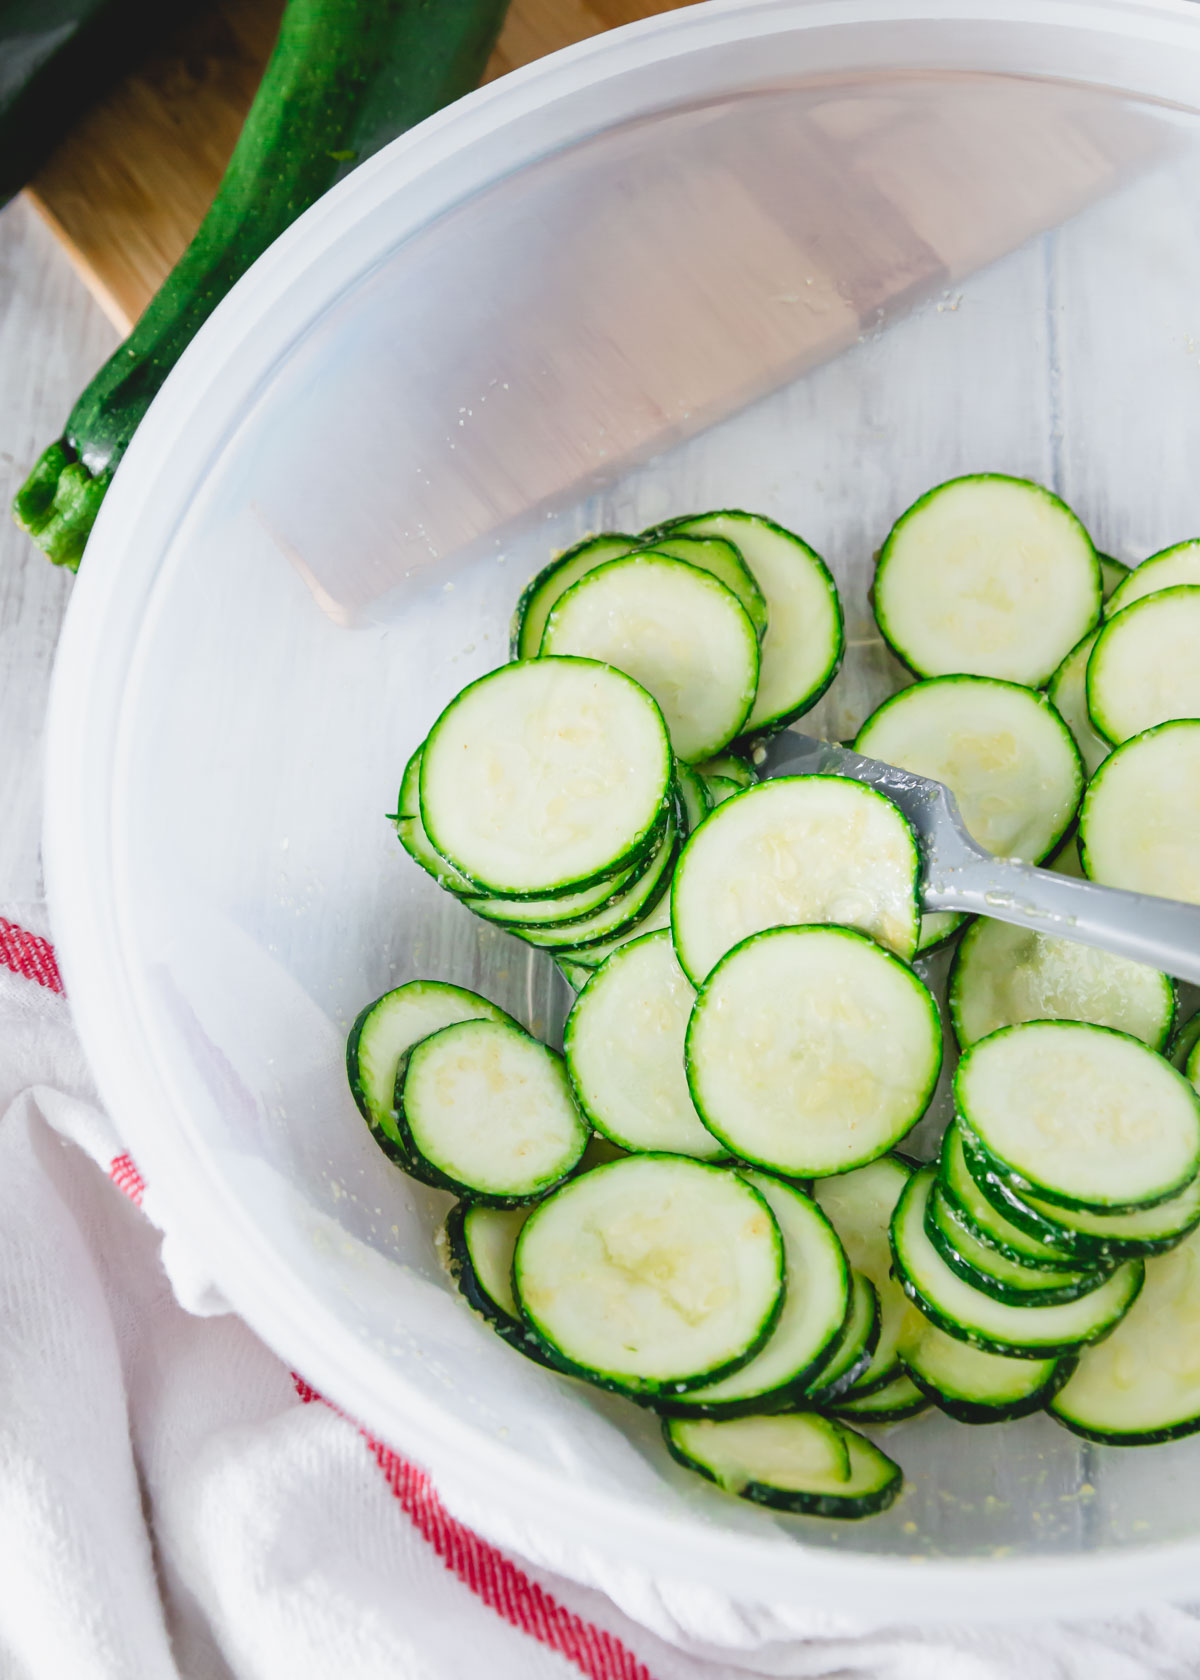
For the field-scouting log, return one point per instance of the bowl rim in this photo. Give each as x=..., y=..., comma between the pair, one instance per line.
x=113, y=607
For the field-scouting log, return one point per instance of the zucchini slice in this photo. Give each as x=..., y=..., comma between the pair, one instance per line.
x=411, y=831
x=479, y=1244
x=970, y=1316
x=803, y=645
x=1170, y=566
x=730, y=767
x=989, y=575
x=1067, y=693
x=859, y=1206
x=849, y=1359
x=487, y=1111
x=574, y=973
x=552, y=582
x=1182, y=1049
x=624, y=1041
x=674, y=629
x=1002, y=750
x=895, y=1402
x=1143, y=1384
x=811, y=1050
x=386, y=1030
x=652, y=1275
x=937, y=928
x=1087, y=1236
x=1004, y=1280
x=693, y=791
x=545, y=776
x=795, y=850
x=1004, y=975
x=797, y=1462
x=1080, y=1116
x=987, y=1224
x=1140, y=823
x=722, y=559
x=815, y=1309
x=1114, y=572
x=721, y=788
x=973, y=1385
x=1143, y=669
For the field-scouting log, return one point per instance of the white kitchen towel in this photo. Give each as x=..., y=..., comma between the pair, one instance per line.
x=175, y=1504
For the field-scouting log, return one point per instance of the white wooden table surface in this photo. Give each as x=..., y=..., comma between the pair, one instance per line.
x=52, y=339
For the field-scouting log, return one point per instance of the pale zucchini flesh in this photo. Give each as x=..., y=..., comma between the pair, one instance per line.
x=487, y=1111
x=1080, y=1116
x=812, y=1050
x=815, y=1308
x=803, y=645
x=675, y=630
x=478, y=1244
x=518, y=777
x=1112, y=573
x=1004, y=975
x=624, y=1042
x=1179, y=564
x=795, y=850
x=795, y=1462
x=1143, y=669
x=553, y=581
x=859, y=1206
x=970, y=1316
x=1140, y=823
x=724, y=562
x=1002, y=750
x=652, y=1275
x=971, y=1384
x=1142, y=1385
x=1067, y=692
x=386, y=1031
x=987, y=575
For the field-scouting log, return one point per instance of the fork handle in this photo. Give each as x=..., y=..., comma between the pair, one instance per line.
x=1159, y=931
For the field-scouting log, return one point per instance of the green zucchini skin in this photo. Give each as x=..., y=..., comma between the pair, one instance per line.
x=346, y=77
x=56, y=57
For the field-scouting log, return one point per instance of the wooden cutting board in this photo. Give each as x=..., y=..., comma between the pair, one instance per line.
x=129, y=186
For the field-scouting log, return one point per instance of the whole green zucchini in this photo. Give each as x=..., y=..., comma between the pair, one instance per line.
x=56, y=56
x=346, y=76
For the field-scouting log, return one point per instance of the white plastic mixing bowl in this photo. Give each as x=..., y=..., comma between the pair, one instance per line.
x=925, y=238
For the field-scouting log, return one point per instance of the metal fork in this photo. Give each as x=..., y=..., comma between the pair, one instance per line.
x=958, y=874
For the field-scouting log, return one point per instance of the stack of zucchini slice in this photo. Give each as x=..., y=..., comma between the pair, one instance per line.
x=699, y=1204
